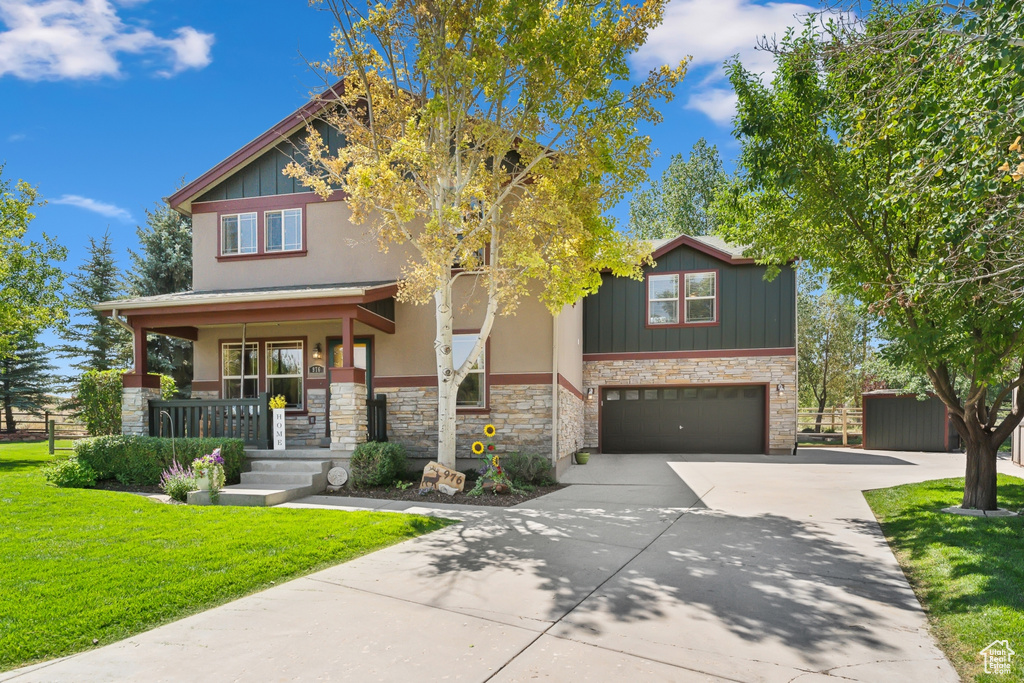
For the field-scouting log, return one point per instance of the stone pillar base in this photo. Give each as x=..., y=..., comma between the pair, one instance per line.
x=348, y=415
x=135, y=409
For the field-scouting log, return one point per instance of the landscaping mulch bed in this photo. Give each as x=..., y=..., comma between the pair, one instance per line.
x=115, y=485
x=413, y=495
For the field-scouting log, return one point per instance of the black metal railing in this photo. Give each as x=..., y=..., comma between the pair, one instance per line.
x=377, y=418
x=241, y=418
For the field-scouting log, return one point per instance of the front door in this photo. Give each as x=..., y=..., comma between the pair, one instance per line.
x=362, y=357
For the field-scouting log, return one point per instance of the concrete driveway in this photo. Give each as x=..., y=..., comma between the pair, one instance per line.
x=674, y=568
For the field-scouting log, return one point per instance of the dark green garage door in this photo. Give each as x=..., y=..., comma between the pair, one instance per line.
x=683, y=420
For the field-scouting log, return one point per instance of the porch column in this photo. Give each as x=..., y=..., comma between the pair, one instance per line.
x=139, y=388
x=348, y=408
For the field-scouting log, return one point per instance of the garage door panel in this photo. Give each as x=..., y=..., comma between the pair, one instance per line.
x=683, y=420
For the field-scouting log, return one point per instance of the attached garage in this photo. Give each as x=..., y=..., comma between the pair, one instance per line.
x=683, y=419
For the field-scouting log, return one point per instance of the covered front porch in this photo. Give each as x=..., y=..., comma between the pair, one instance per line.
x=313, y=345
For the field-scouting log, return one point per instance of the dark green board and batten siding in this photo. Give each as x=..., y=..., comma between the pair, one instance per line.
x=264, y=176
x=753, y=313
x=904, y=423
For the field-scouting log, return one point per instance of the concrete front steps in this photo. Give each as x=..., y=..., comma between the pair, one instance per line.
x=271, y=482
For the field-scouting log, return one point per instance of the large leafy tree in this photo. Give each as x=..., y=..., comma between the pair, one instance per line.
x=831, y=348
x=26, y=377
x=491, y=136
x=92, y=341
x=30, y=277
x=873, y=155
x=164, y=266
x=682, y=200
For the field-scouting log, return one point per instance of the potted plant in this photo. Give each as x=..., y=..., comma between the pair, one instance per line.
x=209, y=473
x=277, y=404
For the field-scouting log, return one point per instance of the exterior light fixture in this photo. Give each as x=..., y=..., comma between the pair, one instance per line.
x=590, y=393
x=318, y=351
x=781, y=387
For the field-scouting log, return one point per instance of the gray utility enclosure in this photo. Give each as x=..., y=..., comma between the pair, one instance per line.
x=900, y=422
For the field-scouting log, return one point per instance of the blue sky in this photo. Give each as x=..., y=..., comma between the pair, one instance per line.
x=107, y=104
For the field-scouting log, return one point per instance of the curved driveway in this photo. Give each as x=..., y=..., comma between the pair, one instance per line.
x=673, y=568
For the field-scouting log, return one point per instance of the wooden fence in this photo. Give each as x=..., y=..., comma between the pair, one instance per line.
x=839, y=425
x=242, y=418
x=34, y=426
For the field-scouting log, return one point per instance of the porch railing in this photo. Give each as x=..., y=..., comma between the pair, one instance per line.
x=377, y=418
x=241, y=418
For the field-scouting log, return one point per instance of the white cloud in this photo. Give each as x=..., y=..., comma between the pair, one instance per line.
x=715, y=31
x=17, y=137
x=102, y=208
x=58, y=39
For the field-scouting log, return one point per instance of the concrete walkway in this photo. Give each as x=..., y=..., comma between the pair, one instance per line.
x=666, y=568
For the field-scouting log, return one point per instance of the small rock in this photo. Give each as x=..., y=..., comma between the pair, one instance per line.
x=95, y=641
x=446, y=489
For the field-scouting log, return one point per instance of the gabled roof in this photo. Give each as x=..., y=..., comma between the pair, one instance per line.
x=183, y=198
x=708, y=244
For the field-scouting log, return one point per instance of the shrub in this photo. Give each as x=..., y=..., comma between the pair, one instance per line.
x=526, y=468
x=141, y=460
x=177, y=481
x=99, y=401
x=377, y=463
x=70, y=474
x=168, y=389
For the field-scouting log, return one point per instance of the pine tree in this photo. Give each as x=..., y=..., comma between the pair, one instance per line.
x=164, y=266
x=25, y=380
x=95, y=342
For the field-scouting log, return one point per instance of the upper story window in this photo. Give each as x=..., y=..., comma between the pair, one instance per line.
x=473, y=390
x=700, y=297
x=283, y=230
x=238, y=234
x=694, y=303
x=663, y=299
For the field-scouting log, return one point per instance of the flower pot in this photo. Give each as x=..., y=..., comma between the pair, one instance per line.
x=203, y=482
x=582, y=458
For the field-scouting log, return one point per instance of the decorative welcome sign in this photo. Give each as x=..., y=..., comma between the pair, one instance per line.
x=277, y=425
x=435, y=474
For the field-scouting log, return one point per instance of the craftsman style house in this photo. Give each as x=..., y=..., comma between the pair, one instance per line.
x=290, y=297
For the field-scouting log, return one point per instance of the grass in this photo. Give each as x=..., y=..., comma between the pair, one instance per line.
x=968, y=572
x=78, y=565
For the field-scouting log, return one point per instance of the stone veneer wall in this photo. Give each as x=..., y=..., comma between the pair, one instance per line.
x=774, y=370
x=348, y=415
x=135, y=409
x=520, y=413
x=570, y=423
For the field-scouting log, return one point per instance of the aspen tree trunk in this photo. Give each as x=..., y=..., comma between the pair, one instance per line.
x=447, y=388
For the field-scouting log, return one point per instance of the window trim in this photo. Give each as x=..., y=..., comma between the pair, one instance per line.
x=261, y=206
x=308, y=381
x=266, y=346
x=224, y=378
x=220, y=233
x=682, y=299
x=266, y=231
x=486, y=407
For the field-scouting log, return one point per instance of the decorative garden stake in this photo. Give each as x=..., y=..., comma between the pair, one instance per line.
x=492, y=476
x=277, y=405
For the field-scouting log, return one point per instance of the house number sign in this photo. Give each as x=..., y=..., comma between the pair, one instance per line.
x=435, y=474
x=316, y=369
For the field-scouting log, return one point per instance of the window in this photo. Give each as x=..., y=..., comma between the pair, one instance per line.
x=238, y=234
x=472, y=391
x=663, y=300
x=284, y=230
x=285, y=371
x=231, y=370
x=700, y=297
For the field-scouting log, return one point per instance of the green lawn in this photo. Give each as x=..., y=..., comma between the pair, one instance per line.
x=968, y=572
x=81, y=564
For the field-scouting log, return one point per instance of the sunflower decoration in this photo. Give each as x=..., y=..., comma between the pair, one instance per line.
x=478, y=448
x=496, y=463
x=489, y=431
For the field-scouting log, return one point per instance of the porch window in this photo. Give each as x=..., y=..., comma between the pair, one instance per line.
x=285, y=371
x=663, y=300
x=472, y=391
x=238, y=234
x=284, y=230
x=231, y=370
x=700, y=297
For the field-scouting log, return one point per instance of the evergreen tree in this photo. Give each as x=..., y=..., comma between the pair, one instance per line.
x=95, y=342
x=164, y=266
x=25, y=379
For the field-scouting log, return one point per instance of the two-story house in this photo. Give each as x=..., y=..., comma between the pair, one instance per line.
x=290, y=297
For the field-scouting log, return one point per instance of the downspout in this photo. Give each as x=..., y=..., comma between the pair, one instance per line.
x=554, y=391
x=122, y=323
